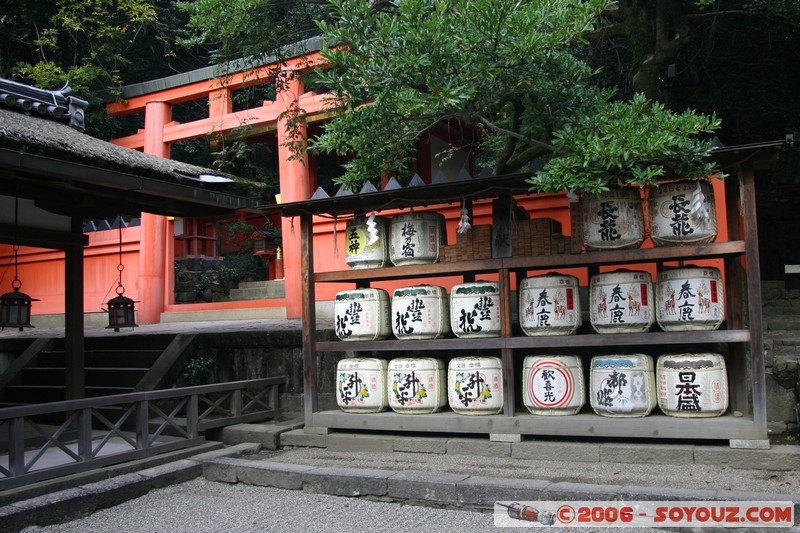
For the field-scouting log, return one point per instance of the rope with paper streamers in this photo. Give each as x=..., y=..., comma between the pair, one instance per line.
x=372, y=230
x=463, y=224
x=698, y=207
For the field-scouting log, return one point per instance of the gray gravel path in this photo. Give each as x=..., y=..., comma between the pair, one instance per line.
x=201, y=506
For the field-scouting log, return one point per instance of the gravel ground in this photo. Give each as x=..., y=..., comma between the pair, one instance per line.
x=205, y=506
x=201, y=506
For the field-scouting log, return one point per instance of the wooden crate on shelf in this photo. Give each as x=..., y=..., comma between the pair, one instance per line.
x=576, y=228
x=521, y=238
x=475, y=244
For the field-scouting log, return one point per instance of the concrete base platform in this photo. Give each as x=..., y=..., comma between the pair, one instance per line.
x=777, y=458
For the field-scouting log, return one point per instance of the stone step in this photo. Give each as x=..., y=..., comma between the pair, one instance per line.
x=173, y=317
x=266, y=293
x=785, y=338
x=791, y=352
x=259, y=290
x=781, y=307
x=782, y=322
x=772, y=291
x=266, y=434
x=261, y=284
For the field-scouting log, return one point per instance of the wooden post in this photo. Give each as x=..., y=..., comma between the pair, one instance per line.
x=295, y=185
x=73, y=317
x=152, y=253
x=754, y=299
x=309, y=318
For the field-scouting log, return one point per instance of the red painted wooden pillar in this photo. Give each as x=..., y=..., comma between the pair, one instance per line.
x=295, y=185
x=153, y=243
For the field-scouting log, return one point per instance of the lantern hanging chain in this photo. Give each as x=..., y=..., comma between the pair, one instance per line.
x=16, y=284
x=120, y=267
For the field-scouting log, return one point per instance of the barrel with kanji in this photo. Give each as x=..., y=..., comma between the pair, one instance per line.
x=692, y=385
x=416, y=385
x=690, y=299
x=367, y=245
x=420, y=312
x=475, y=309
x=475, y=385
x=622, y=385
x=613, y=220
x=361, y=385
x=362, y=315
x=683, y=212
x=549, y=305
x=621, y=302
x=414, y=238
x=553, y=384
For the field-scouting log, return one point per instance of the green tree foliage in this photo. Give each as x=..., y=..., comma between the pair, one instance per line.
x=514, y=72
x=94, y=45
x=249, y=28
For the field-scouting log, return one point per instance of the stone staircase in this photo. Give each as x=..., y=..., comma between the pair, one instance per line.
x=781, y=315
x=258, y=290
x=114, y=365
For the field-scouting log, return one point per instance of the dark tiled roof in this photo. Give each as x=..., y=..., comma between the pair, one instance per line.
x=55, y=104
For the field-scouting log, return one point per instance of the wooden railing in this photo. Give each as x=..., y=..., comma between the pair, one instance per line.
x=49, y=440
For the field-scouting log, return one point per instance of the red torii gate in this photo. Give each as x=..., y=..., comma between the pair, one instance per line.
x=160, y=131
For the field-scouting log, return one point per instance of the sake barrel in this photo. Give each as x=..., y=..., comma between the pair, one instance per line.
x=361, y=385
x=622, y=385
x=475, y=309
x=621, y=302
x=414, y=238
x=682, y=212
x=475, y=385
x=692, y=385
x=416, y=385
x=420, y=312
x=614, y=220
x=690, y=299
x=549, y=305
x=553, y=384
x=359, y=251
x=362, y=315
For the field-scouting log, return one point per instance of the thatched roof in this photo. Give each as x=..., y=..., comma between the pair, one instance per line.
x=31, y=145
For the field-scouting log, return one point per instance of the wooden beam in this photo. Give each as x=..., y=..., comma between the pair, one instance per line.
x=41, y=238
x=201, y=89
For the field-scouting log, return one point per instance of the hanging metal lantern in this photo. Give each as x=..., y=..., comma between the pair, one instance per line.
x=121, y=310
x=15, y=308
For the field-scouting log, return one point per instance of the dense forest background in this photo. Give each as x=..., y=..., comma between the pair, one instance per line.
x=737, y=59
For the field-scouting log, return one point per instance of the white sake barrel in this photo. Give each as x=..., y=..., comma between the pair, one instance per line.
x=549, y=305
x=614, y=220
x=361, y=385
x=690, y=299
x=692, y=385
x=415, y=238
x=622, y=385
x=362, y=315
x=683, y=212
x=553, y=384
x=420, y=312
x=475, y=309
x=475, y=385
x=621, y=302
x=359, y=252
x=416, y=385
